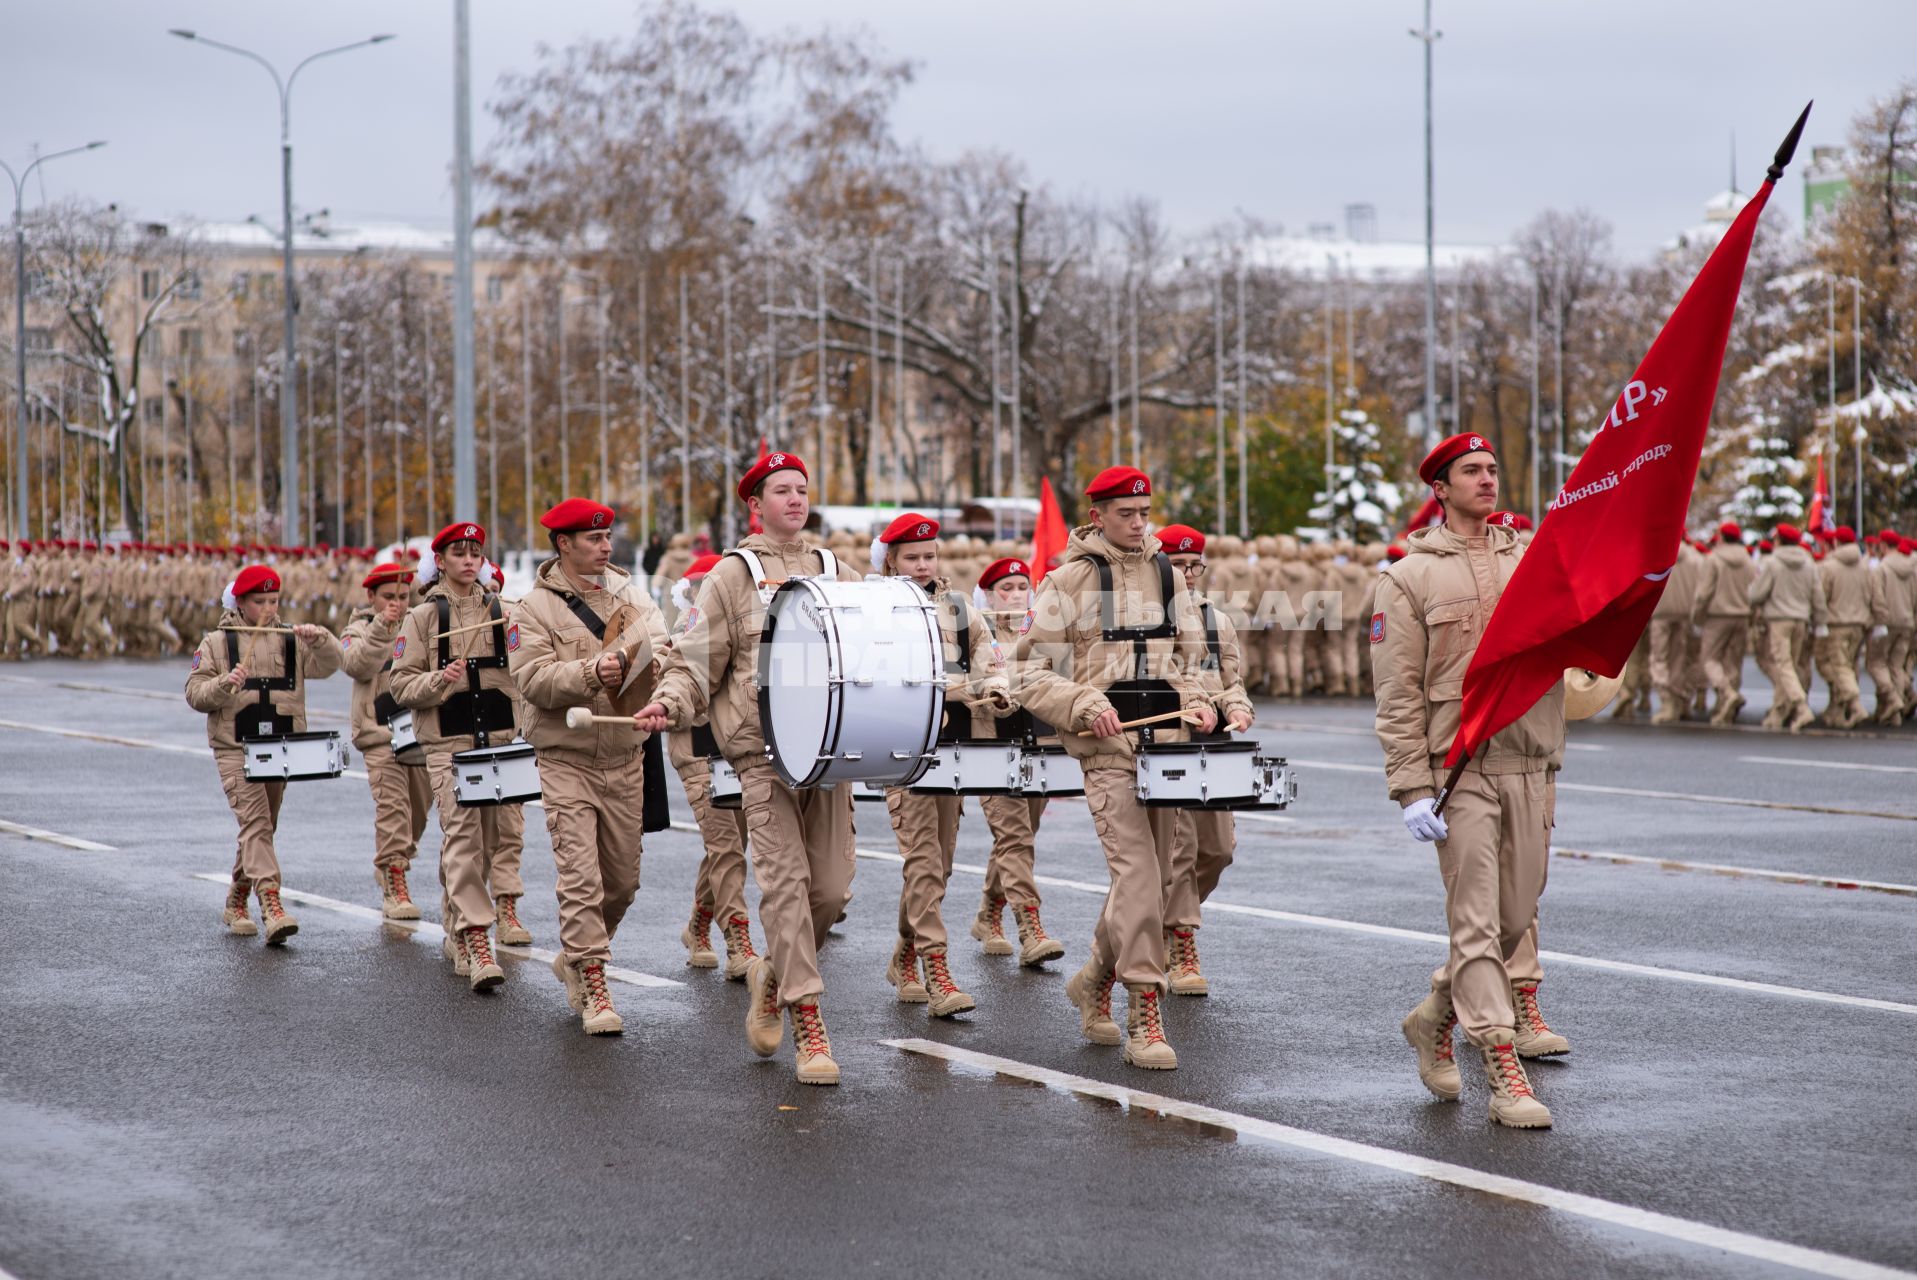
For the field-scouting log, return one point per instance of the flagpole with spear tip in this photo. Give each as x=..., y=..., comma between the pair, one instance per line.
x=1499, y=676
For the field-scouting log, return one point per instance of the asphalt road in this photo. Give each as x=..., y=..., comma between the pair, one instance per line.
x=1738, y=1102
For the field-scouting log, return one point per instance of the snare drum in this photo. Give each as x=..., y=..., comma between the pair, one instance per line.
x=868, y=791
x=1227, y=774
x=851, y=681
x=406, y=748
x=496, y=775
x=726, y=792
x=1046, y=771
x=972, y=769
x=295, y=757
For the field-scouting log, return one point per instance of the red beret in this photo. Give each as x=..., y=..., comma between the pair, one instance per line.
x=1765, y=544
x=387, y=573
x=1119, y=482
x=702, y=566
x=1730, y=532
x=1845, y=533
x=255, y=577
x=459, y=531
x=1888, y=537
x=1907, y=545
x=765, y=466
x=412, y=553
x=1502, y=519
x=1448, y=452
x=1394, y=553
x=1006, y=568
x=577, y=515
x=1180, y=539
x=910, y=527
x=1788, y=533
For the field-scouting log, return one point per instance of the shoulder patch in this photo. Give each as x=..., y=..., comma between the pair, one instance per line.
x=1377, y=628
x=512, y=637
x=346, y=641
x=196, y=659
x=692, y=617
x=399, y=647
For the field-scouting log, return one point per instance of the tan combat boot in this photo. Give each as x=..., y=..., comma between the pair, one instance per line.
x=1145, y=1043
x=810, y=1045
x=1428, y=1029
x=1091, y=992
x=596, y=1013
x=279, y=925
x=944, y=997
x=506, y=926
x=235, y=917
x=482, y=971
x=1534, y=1038
x=989, y=926
x=453, y=949
x=765, y=1025
x=1035, y=945
x=1512, y=1102
x=739, y=952
x=697, y=938
x=903, y=973
x=575, y=998
x=1799, y=718
x=1181, y=949
x=394, y=902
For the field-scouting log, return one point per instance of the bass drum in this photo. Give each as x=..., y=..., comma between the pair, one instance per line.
x=851, y=682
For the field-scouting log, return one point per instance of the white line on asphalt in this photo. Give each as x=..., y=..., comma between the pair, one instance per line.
x=1683, y=1230
x=1595, y=789
x=1796, y=763
x=426, y=931
x=1727, y=869
x=54, y=837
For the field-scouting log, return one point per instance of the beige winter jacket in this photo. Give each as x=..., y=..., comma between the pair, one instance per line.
x=264, y=657
x=1893, y=592
x=1787, y=589
x=1429, y=615
x=367, y=643
x=553, y=654
x=1064, y=665
x=1845, y=579
x=1681, y=588
x=1724, y=588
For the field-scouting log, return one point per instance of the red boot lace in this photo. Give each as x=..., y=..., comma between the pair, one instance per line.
x=1184, y=951
x=808, y=1031
x=995, y=919
x=507, y=908
x=771, y=1007
x=1529, y=1013
x=1032, y=925
x=270, y=903
x=1150, y=1023
x=396, y=886
x=701, y=926
x=1445, y=1028
x=592, y=983
x=478, y=950
x=739, y=936
x=938, y=976
x=1509, y=1071
x=908, y=962
x=1104, y=994
x=237, y=894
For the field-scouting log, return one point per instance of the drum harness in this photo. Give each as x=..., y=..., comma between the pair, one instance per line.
x=1139, y=696
x=654, y=814
x=478, y=711
x=264, y=720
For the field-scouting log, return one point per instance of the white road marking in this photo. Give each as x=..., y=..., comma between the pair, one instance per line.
x=426, y=931
x=1683, y=1230
x=1797, y=763
x=1728, y=869
x=54, y=837
x=1595, y=789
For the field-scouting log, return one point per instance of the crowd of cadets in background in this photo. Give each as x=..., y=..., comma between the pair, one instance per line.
x=1846, y=608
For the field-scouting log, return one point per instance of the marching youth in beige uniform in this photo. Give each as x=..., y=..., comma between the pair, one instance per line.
x=926, y=826
x=1207, y=838
x=1670, y=628
x=1893, y=616
x=591, y=777
x=249, y=685
x=1790, y=601
x=802, y=851
x=718, y=890
x=402, y=789
x=463, y=698
x=1846, y=583
x=1724, y=610
x=1494, y=838
x=1091, y=649
x=1004, y=596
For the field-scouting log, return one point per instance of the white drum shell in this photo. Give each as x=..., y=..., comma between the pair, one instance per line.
x=1049, y=771
x=851, y=681
x=972, y=769
x=725, y=792
x=406, y=746
x=507, y=774
x=1216, y=775
x=295, y=757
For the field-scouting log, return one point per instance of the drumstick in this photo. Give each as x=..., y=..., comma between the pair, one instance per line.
x=1141, y=721
x=580, y=717
x=481, y=625
x=257, y=630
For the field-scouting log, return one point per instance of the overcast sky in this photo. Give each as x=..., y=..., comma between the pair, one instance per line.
x=1285, y=109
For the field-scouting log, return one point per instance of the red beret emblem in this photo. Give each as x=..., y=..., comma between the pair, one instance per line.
x=1017, y=567
x=598, y=519
x=1138, y=486
x=923, y=531
x=777, y=460
x=472, y=531
x=1184, y=544
x=1476, y=443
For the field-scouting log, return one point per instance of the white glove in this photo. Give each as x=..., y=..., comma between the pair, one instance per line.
x=1422, y=821
x=1821, y=632
x=1878, y=633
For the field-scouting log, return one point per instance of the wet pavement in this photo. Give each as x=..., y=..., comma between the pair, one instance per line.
x=1739, y=1100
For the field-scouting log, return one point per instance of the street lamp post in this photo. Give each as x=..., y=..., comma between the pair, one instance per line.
x=289, y=409
x=20, y=329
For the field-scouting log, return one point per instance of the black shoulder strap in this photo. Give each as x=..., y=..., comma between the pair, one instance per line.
x=445, y=607
x=583, y=611
x=962, y=608
x=1211, y=634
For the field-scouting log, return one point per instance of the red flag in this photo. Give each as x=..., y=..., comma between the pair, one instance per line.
x=1586, y=587
x=752, y=519
x=1818, y=523
x=1432, y=512
x=1050, y=534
